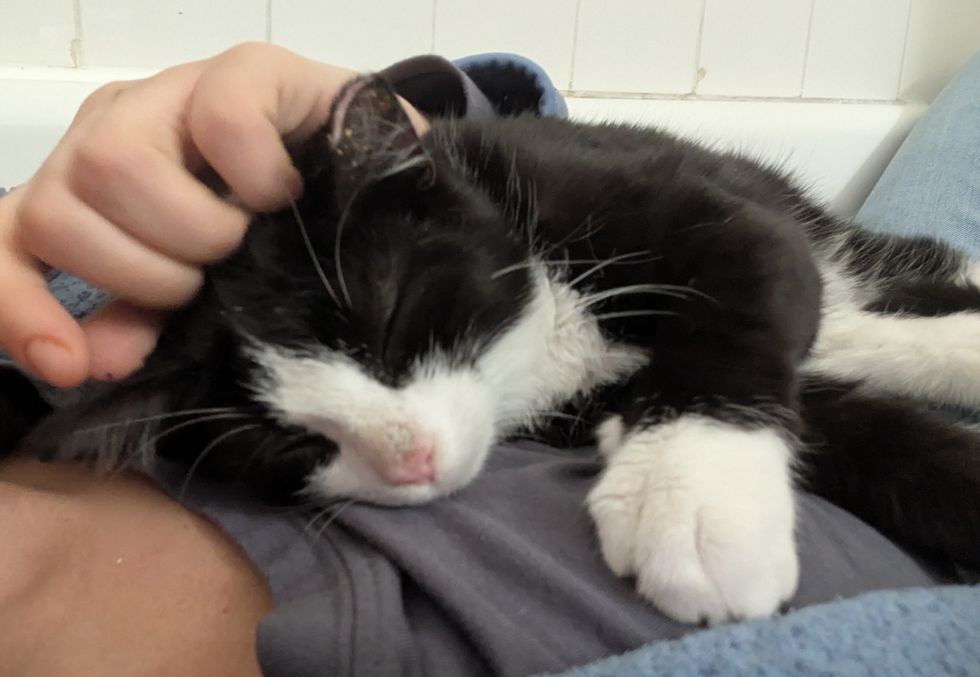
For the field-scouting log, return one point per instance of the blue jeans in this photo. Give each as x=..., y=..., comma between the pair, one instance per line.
x=932, y=185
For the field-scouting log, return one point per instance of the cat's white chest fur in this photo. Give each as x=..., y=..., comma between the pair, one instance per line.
x=555, y=351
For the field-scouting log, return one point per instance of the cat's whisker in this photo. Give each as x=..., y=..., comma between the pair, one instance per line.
x=319, y=512
x=309, y=248
x=146, y=445
x=331, y=512
x=158, y=417
x=506, y=270
x=633, y=313
x=622, y=259
x=656, y=289
x=603, y=264
x=263, y=445
x=591, y=228
x=338, y=239
x=558, y=414
x=211, y=446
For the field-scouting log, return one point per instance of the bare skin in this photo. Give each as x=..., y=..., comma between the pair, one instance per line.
x=106, y=575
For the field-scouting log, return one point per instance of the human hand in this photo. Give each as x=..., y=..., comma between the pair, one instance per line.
x=118, y=202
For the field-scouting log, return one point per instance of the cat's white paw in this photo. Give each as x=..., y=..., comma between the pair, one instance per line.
x=702, y=514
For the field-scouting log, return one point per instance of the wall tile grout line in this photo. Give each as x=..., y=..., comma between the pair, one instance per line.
x=75, y=48
x=696, y=76
x=721, y=98
x=806, y=46
x=905, y=48
x=268, y=20
x=432, y=29
x=571, y=65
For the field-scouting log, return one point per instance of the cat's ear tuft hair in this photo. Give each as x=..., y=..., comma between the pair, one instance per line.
x=371, y=138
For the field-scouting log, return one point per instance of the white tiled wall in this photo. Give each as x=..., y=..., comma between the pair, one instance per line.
x=363, y=35
x=636, y=47
x=855, y=49
x=38, y=32
x=840, y=49
x=753, y=47
x=137, y=33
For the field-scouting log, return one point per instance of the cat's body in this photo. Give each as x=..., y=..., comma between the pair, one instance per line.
x=427, y=298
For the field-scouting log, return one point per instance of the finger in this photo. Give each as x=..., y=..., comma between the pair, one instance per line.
x=62, y=231
x=120, y=337
x=157, y=201
x=243, y=105
x=36, y=332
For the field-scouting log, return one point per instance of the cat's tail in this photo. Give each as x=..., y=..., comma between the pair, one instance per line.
x=908, y=471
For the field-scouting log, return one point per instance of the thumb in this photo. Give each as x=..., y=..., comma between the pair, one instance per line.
x=35, y=331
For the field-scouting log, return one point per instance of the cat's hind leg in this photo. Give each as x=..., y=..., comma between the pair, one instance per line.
x=907, y=471
x=918, y=339
x=901, y=314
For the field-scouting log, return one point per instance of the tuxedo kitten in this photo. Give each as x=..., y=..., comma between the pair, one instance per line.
x=721, y=336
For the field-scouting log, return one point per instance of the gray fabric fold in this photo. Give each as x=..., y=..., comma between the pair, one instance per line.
x=503, y=578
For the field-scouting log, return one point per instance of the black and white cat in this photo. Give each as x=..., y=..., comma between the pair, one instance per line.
x=722, y=336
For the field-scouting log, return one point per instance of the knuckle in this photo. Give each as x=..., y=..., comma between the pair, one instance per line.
x=222, y=238
x=163, y=287
x=103, y=95
x=41, y=217
x=208, y=119
x=230, y=237
x=104, y=159
x=249, y=51
x=178, y=289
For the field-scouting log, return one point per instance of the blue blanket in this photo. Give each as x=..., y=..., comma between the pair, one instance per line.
x=929, y=632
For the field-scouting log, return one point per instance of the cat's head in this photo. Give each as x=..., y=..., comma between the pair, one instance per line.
x=370, y=341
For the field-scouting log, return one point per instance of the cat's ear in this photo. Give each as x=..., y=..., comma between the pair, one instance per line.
x=371, y=139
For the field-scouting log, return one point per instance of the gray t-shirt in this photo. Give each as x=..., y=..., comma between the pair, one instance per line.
x=504, y=577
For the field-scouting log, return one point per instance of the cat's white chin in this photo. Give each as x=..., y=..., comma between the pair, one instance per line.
x=329, y=484
x=349, y=476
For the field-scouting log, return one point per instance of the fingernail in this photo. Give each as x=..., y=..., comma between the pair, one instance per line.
x=48, y=358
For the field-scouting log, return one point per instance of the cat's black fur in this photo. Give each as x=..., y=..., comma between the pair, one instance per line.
x=425, y=248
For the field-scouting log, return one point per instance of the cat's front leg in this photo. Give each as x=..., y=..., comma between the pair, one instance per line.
x=701, y=513
x=696, y=500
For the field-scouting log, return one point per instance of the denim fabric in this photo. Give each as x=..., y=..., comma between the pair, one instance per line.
x=932, y=185
x=495, y=67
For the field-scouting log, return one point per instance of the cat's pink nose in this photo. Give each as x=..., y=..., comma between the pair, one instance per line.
x=415, y=466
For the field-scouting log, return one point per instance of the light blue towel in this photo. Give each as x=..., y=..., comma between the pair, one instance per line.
x=931, y=632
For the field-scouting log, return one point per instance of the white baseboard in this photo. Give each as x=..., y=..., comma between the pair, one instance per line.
x=837, y=148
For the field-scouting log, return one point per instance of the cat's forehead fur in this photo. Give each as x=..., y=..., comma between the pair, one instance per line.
x=386, y=273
